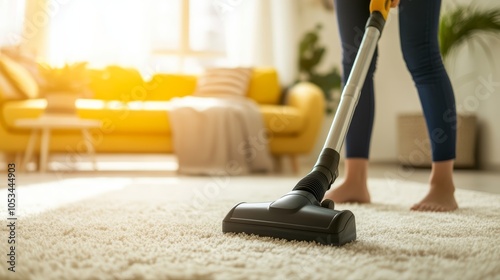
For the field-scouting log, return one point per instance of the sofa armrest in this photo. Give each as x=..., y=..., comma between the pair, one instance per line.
x=308, y=98
x=310, y=101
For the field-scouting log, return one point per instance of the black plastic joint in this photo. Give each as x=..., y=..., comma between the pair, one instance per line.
x=376, y=20
x=315, y=183
x=324, y=173
x=328, y=163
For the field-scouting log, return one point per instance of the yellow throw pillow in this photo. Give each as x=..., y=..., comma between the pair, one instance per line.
x=19, y=77
x=167, y=86
x=264, y=86
x=117, y=83
x=224, y=82
x=7, y=90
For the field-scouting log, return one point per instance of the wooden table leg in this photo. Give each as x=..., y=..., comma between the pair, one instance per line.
x=278, y=163
x=295, y=164
x=28, y=154
x=44, y=149
x=87, y=139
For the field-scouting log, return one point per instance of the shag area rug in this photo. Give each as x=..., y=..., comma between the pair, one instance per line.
x=170, y=228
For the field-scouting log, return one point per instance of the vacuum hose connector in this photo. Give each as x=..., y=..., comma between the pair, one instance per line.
x=322, y=176
x=376, y=20
x=379, y=11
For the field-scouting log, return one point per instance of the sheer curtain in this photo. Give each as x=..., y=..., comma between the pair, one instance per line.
x=11, y=22
x=116, y=33
x=263, y=33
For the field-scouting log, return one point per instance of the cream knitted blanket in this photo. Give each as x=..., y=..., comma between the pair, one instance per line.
x=219, y=135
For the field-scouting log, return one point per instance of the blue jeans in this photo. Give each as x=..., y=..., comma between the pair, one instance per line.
x=418, y=25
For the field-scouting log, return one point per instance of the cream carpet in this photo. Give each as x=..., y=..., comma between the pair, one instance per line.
x=170, y=228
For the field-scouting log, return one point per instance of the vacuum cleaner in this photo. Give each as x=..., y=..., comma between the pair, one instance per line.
x=302, y=214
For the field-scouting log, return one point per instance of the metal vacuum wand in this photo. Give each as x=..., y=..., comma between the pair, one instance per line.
x=352, y=90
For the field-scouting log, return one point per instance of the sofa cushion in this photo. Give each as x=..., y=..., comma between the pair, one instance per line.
x=117, y=117
x=283, y=120
x=150, y=117
x=263, y=87
x=167, y=86
x=117, y=83
x=19, y=77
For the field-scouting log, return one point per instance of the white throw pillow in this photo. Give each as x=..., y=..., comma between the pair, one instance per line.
x=224, y=82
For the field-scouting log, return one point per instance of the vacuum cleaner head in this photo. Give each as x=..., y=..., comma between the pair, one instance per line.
x=295, y=216
x=298, y=215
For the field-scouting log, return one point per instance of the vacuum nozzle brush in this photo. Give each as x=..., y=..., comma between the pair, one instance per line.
x=298, y=215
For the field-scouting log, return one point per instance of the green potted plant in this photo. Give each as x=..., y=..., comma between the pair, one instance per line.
x=459, y=26
x=467, y=25
x=62, y=86
x=311, y=53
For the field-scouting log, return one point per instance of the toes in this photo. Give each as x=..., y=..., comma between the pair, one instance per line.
x=441, y=209
x=429, y=207
x=422, y=207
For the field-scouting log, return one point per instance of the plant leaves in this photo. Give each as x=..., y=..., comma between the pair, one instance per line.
x=464, y=23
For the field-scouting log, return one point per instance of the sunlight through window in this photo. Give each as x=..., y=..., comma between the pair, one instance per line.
x=101, y=32
x=166, y=27
x=11, y=21
x=206, y=30
x=166, y=36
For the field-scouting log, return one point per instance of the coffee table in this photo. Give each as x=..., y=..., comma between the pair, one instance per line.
x=44, y=126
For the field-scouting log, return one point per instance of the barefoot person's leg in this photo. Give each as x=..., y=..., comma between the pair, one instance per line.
x=354, y=188
x=441, y=196
x=418, y=27
x=351, y=18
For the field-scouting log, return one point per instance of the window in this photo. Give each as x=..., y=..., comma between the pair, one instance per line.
x=186, y=26
x=11, y=22
x=187, y=35
x=206, y=29
x=153, y=35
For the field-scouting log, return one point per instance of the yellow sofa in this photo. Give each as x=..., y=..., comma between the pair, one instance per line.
x=134, y=114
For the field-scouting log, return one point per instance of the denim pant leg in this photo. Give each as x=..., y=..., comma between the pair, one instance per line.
x=352, y=16
x=419, y=21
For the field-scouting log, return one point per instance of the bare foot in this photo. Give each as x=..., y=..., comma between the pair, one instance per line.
x=437, y=200
x=346, y=192
x=354, y=188
x=441, y=196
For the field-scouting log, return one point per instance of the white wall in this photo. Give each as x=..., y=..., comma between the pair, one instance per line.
x=476, y=80
x=395, y=91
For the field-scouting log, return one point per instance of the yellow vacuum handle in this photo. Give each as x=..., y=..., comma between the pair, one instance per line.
x=382, y=6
